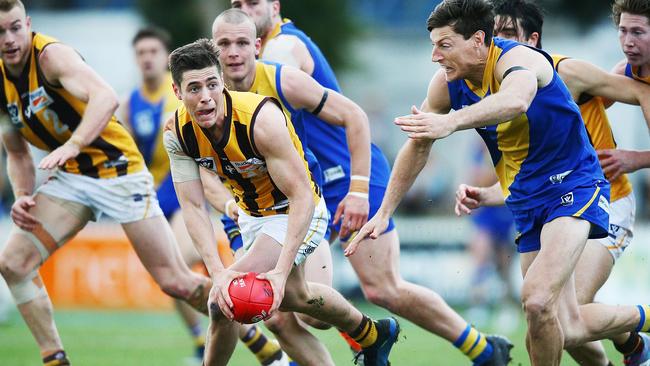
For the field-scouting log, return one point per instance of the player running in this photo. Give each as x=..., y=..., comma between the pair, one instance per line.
x=144, y=111
x=522, y=21
x=547, y=169
x=242, y=138
x=349, y=184
x=53, y=100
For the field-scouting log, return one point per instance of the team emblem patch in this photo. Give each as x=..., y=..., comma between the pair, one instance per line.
x=558, y=178
x=14, y=115
x=567, y=199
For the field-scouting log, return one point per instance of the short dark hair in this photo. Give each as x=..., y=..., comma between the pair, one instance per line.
x=636, y=7
x=528, y=13
x=194, y=56
x=465, y=17
x=7, y=5
x=153, y=32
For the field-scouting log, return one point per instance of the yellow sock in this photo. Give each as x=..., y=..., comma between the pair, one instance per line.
x=474, y=345
x=263, y=349
x=366, y=333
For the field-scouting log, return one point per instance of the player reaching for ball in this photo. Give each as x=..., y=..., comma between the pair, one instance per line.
x=245, y=140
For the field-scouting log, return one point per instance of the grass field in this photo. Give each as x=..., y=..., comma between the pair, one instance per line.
x=100, y=338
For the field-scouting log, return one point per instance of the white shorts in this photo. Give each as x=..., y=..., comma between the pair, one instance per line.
x=276, y=227
x=621, y=222
x=125, y=199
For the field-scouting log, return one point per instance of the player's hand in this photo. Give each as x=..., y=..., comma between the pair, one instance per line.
x=353, y=211
x=232, y=210
x=617, y=162
x=59, y=156
x=430, y=126
x=278, y=280
x=219, y=292
x=372, y=229
x=468, y=198
x=20, y=213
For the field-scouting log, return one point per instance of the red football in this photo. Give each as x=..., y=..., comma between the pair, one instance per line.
x=251, y=298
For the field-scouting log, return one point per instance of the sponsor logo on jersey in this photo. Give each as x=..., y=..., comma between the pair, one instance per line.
x=333, y=173
x=251, y=167
x=207, y=163
x=567, y=199
x=39, y=100
x=603, y=203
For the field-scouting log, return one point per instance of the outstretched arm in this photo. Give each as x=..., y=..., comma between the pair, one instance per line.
x=583, y=77
x=520, y=72
x=408, y=164
x=61, y=65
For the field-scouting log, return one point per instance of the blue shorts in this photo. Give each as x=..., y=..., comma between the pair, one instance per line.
x=232, y=231
x=167, y=197
x=496, y=221
x=375, y=196
x=590, y=203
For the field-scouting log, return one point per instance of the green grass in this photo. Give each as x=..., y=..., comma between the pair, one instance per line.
x=101, y=338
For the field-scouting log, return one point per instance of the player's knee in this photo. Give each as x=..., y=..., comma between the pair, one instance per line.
x=314, y=323
x=538, y=307
x=277, y=323
x=173, y=288
x=385, y=295
x=12, y=270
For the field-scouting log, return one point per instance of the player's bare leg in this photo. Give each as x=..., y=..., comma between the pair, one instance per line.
x=316, y=300
x=318, y=269
x=554, y=318
x=377, y=266
x=302, y=346
x=190, y=256
x=154, y=243
x=23, y=256
x=591, y=273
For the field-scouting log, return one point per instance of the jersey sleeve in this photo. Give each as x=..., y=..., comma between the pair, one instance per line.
x=183, y=167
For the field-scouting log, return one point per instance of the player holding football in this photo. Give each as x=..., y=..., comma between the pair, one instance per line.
x=243, y=139
x=144, y=112
x=53, y=100
x=546, y=167
x=342, y=160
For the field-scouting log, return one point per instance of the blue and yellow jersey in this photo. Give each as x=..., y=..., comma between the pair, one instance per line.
x=326, y=141
x=541, y=154
x=600, y=133
x=235, y=158
x=268, y=81
x=46, y=116
x=633, y=72
x=148, y=112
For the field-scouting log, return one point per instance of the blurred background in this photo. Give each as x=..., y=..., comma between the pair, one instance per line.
x=381, y=53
